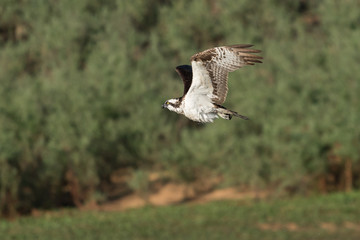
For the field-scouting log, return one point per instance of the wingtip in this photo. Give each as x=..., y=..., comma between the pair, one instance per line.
x=241, y=45
x=255, y=61
x=182, y=67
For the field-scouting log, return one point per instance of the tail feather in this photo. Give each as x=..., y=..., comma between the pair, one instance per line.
x=228, y=114
x=239, y=116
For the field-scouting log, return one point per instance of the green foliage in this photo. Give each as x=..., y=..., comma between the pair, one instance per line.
x=323, y=217
x=82, y=83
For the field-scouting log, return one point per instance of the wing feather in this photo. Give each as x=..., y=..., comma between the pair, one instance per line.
x=218, y=62
x=185, y=72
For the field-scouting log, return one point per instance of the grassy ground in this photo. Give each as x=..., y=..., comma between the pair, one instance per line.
x=334, y=216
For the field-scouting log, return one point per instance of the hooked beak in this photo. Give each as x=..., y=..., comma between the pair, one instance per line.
x=163, y=106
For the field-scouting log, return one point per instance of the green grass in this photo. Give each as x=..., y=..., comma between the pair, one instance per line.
x=334, y=216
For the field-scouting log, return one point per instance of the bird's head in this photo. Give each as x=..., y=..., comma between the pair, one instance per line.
x=173, y=105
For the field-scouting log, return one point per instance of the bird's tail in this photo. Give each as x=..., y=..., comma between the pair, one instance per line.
x=228, y=114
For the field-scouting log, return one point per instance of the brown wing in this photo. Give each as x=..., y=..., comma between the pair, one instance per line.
x=185, y=72
x=219, y=61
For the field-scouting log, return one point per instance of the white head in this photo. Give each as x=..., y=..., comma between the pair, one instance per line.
x=174, y=105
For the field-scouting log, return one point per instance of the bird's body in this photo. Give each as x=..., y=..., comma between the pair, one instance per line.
x=205, y=82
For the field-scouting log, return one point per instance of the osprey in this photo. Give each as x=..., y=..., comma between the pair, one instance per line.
x=205, y=82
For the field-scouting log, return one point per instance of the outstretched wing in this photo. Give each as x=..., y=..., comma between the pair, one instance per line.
x=211, y=68
x=185, y=72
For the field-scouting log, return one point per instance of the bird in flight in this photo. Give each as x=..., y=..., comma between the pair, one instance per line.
x=206, y=82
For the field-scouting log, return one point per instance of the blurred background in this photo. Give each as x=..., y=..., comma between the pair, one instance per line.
x=82, y=83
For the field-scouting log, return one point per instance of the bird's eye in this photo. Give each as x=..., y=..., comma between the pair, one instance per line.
x=167, y=103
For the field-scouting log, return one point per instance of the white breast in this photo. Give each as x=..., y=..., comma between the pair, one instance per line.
x=198, y=108
x=198, y=105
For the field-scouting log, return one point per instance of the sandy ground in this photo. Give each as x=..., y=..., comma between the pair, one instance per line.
x=171, y=194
